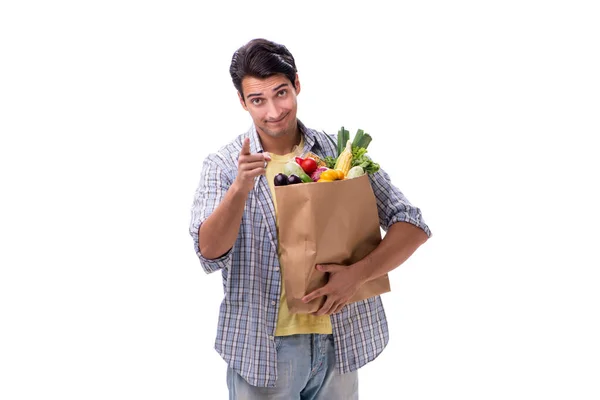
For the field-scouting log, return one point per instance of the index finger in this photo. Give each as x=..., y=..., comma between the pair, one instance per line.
x=245, y=147
x=314, y=294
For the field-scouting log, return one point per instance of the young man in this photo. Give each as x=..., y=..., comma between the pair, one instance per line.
x=272, y=354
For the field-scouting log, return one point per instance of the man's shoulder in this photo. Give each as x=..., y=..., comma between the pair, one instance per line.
x=318, y=133
x=324, y=140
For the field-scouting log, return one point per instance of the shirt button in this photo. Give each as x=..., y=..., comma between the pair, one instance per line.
x=273, y=303
x=271, y=338
x=276, y=268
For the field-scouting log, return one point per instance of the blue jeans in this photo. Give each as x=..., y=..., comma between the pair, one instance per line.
x=305, y=371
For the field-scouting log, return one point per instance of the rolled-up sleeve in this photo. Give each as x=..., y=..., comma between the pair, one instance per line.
x=392, y=205
x=211, y=190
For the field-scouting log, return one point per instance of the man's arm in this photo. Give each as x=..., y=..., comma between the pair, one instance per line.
x=218, y=233
x=399, y=243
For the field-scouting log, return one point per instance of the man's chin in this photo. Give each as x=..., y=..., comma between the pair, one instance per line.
x=274, y=134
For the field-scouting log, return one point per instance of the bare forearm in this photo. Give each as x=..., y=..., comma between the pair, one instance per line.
x=220, y=230
x=400, y=242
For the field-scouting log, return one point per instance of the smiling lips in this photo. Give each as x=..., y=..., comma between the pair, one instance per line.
x=279, y=120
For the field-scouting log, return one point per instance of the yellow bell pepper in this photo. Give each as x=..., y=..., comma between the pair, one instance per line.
x=331, y=175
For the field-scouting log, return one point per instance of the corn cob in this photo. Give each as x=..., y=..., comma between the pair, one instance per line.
x=344, y=161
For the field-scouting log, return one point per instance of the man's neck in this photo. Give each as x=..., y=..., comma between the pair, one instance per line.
x=280, y=146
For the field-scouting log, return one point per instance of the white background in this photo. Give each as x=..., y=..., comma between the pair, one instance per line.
x=482, y=112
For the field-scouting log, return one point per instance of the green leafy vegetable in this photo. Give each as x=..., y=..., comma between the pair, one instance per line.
x=360, y=158
x=330, y=161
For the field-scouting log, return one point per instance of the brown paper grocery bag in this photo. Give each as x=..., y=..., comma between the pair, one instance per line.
x=326, y=223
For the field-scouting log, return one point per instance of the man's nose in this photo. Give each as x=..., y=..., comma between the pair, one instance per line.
x=273, y=112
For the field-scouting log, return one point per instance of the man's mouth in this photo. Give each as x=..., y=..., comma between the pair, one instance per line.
x=277, y=120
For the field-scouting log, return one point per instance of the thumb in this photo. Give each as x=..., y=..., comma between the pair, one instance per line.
x=245, y=147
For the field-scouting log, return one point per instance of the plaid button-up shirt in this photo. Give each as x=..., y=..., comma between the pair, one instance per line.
x=251, y=274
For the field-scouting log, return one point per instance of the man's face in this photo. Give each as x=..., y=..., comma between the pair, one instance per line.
x=271, y=103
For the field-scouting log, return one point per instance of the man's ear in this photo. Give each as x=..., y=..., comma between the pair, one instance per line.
x=297, y=84
x=242, y=102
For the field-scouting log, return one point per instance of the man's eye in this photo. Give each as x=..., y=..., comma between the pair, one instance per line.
x=256, y=102
x=282, y=93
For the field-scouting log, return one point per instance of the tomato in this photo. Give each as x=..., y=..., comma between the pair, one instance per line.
x=309, y=165
x=299, y=160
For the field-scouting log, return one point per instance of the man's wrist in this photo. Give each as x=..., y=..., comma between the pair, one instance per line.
x=363, y=270
x=237, y=191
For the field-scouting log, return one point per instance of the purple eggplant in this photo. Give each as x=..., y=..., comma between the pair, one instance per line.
x=280, y=180
x=294, y=179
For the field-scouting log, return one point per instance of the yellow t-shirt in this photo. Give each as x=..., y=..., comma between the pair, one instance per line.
x=291, y=324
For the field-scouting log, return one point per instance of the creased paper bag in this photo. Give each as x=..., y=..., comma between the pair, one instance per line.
x=325, y=223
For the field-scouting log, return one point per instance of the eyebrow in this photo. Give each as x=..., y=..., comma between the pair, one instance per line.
x=274, y=90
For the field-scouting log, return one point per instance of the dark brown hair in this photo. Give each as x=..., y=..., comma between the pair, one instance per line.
x=261, y=58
